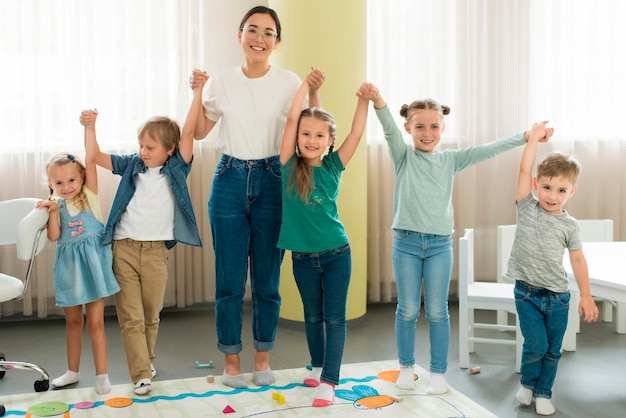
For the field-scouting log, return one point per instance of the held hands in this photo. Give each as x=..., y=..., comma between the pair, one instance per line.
x=588, y=307
x=315, y=79
x=198, y=78
x=88, y=118
x=368, y=91
x=539, y=132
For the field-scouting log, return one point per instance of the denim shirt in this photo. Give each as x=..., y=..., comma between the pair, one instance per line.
x=176, y=170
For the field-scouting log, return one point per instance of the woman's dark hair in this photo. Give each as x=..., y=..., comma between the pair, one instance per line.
x=262, y=10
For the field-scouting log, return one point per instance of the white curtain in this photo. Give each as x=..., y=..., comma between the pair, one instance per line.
x=500, y=66
x=130, y=60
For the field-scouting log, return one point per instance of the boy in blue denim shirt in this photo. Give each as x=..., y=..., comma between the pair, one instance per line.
x=150, y=213
x=544, y=230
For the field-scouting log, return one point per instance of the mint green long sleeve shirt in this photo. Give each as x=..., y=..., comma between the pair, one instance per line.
x=423, y=193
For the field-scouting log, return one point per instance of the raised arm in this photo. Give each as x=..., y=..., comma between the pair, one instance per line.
x=91, y=144
x=91, y=149
x=290, y=134
x=537, y=133
x=347, y=149
x=315, y=79
x=203, y=124
x=190, y=127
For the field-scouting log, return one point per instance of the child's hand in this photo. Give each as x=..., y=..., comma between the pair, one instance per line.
x=52, y=205
x=198, y=78
x=368, y=91
x=588, y=307
x=315, y=78
x=88, y=117
x=539, y=132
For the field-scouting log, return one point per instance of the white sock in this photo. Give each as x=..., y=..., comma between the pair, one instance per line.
x=68, y=378
x=325, y=395
x=524, y=396
x=406, y=379
x=313, y=380
x=544, y=406
x=437, y=385
x=102, y=384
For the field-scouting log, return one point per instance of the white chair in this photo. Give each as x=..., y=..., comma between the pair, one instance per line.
x=482, y=295
x=23, y=226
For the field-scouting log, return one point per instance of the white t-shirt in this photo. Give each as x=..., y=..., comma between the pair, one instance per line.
x=149, y=215
x=252, y=111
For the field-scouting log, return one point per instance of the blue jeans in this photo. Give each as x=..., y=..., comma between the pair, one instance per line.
x=543, y=319
x=423, y=258
x=245, y=211
x=323, y=279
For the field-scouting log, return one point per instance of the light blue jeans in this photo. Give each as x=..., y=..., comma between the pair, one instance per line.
x=543, y=320
x=245, y=210
x=422, y=258
x=323, y=279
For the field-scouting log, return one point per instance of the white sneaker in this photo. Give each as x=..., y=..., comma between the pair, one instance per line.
x=143, y=387
x=153, y=370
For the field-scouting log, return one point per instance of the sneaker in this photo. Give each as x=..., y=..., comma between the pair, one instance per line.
x=143, y=387
x=153, y=370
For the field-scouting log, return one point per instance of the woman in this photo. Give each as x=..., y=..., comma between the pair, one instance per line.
x=252, y=101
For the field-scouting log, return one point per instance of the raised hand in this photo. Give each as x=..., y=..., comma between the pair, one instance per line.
x=88, y=117
x=198, y=78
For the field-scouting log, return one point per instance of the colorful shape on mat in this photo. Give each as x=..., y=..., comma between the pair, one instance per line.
x=392, y=375
x=228, y=410
x=84, y=405
x=118, y=402
x=365, y=397
x=48, y=409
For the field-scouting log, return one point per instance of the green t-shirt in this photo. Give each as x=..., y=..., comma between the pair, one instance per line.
x=314, y=226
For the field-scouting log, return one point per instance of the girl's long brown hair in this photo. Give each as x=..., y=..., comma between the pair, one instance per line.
x=301, y=178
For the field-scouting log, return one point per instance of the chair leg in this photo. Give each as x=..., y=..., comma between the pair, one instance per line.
x=470, y=330
x=620, y=318
x=607, y=311
x=463, y=339
x=502, y=318
x=569, y=339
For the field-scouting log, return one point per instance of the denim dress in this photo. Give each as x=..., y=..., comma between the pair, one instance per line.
x=83, y=269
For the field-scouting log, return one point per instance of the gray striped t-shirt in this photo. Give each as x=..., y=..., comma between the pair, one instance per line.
x=540, y=241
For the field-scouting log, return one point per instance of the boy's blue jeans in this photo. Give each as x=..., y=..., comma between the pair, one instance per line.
x=245, y=210
x=422, y=258
x=543, y=319
x=323, y=279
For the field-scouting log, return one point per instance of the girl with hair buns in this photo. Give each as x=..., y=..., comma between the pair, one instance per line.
x=423, y=224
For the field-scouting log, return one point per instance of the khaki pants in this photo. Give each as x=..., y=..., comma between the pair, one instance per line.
x=141, y=270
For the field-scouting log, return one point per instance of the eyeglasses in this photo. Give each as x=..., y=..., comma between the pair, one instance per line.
x=253, y=32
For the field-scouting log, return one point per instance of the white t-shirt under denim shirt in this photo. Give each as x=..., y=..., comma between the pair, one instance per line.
x=541, y=238
x=149, y=215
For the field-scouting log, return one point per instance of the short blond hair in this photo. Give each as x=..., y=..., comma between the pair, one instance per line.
x=556, y=164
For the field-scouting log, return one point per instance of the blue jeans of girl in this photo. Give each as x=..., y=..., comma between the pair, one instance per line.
x=323, y=279
x=543, y=319
x=245, y=211
x=422, y=259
